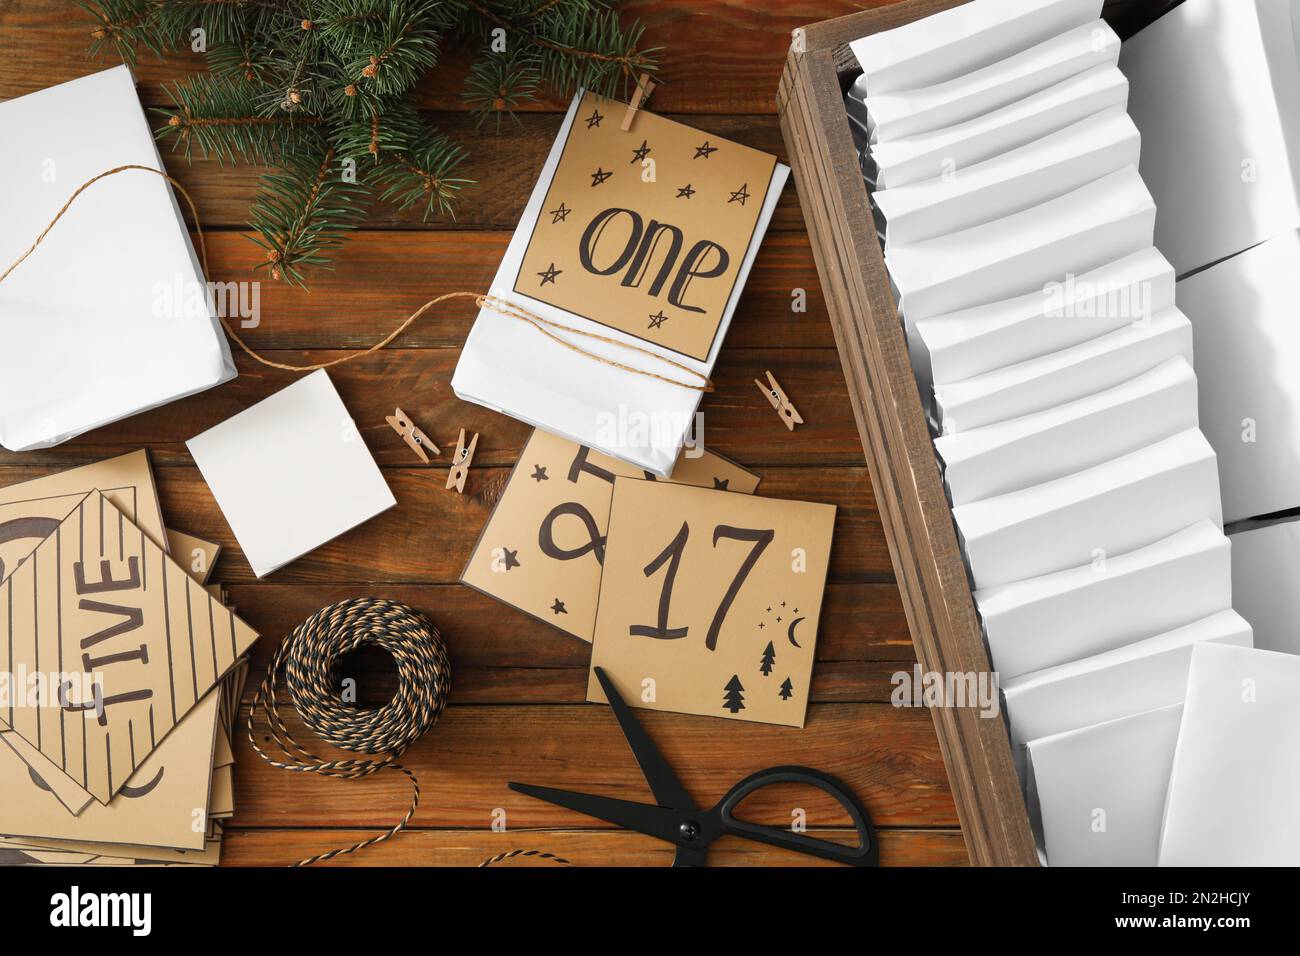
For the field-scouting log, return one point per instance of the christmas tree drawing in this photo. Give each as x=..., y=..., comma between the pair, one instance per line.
x=734, y=701
x=786, y=689
x=769, y=658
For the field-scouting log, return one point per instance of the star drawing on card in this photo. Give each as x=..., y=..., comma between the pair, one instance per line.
x=657, y=320
x=559, y=215
x=550, y=274
x=594, y=119
x=702, y=152
x=558, y=607
x=640, y=152
x=511, y=558
x=740, y=195
x=685, y=192
x=539, y=473
x=599, y=176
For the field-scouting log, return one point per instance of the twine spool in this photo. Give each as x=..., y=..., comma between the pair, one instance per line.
x=309, y=659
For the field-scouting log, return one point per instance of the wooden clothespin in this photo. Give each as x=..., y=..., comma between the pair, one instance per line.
x=644, y=87
x=460, y=462
x=776, y=395
x=413, y=437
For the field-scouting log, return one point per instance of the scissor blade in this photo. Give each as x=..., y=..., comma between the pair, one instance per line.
x=641, y=817
x=664, y=784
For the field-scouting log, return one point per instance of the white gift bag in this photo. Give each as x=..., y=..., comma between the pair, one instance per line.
x=1008, y=456
x=1117, y=506
x=911, y=159
x=1012, y=182
x=1098, y=792
x=1128, y=680
x=111, y=314
x=908, y=112
x=964, y=344
x=962, y=39
x=1108, y=602
x=1235, y=781
x=1063, y=376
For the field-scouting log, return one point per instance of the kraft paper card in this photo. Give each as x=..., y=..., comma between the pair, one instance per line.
x=78, y=853
x=195, y=555
x=544, y=545
x=640, y=242
x=291, y=473
x=1235, y=782
x=912, y=159
x=1232, y=62
x=1012, y=182
x=964, y=38
x=1265, y=567
x=1243, y=315
x=1007, y=456
x=628, y=250
x=961, y=345
x=1023, y=73
x=1065, y=375
x=1099, y=792
x=710, y=601
x=1119, y=683
x=1103, y=511
x=1107, y=603
x=134, y=641
x=165, y=802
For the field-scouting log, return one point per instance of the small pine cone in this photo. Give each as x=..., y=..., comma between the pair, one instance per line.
x=174, y=120
x=99, y=33
x=498, y=104
x=308, y=25
x=275, y=273
x=295, y=97
x=372, y=68
x=350, y=90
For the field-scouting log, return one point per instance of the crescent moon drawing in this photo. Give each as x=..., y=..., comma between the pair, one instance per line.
x=790, y=633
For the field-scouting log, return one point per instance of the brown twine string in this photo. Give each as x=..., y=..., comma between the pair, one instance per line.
x=497, y=305
x=512, y=854
x=309, y=658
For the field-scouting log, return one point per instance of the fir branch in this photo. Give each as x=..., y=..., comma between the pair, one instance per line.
x=423, y=175
x=401, y=50
x=497, y=83
x=303, y=213
x=223, y=119
x=123, y=25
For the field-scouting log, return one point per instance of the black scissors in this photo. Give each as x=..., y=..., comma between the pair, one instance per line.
x=676, y=820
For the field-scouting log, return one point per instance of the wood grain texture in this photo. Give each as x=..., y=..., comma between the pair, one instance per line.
x=518, y=687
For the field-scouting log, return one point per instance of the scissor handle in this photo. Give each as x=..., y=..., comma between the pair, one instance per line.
x=866, y=853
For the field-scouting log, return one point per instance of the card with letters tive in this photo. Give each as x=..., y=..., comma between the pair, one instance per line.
x=542, y=549
x=118, y=641
x=710, y=601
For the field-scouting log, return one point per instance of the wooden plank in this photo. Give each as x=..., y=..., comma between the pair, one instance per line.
x=885, y=755
x=738, y=421
x=383, y=276
x=714, y=61
x=276, y=847
x=428, y=536
x=894, y=434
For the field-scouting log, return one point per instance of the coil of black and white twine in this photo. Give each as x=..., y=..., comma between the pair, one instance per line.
x=309, y=658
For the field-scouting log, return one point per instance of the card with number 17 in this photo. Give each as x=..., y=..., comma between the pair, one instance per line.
x=710, y=600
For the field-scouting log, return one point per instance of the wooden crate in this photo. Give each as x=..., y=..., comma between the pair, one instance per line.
x=904, y=472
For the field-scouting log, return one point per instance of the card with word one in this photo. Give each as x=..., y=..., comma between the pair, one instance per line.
x=542, y=549
x=123, y=641
x=710, y=601
x=646, y=231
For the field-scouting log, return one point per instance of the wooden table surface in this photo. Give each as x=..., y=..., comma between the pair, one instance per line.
x=517, y=707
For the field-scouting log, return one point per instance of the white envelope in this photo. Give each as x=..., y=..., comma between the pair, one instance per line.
x=1229, y=66
x=291, y=473
x=1235, y=782
x=508, y=367
x=908, y=112
x=1010, y=455
x=111, y=315
x=1122, y=682
x=1060, y=377
x=1243, y=315
x=1098, y=792
x=1014, y=181
x=1265, y=575
x=911, y=159
x=1103, y=605
x=962, y=39
x=1017, y=254
x=1105, y=510
x=964, y=344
